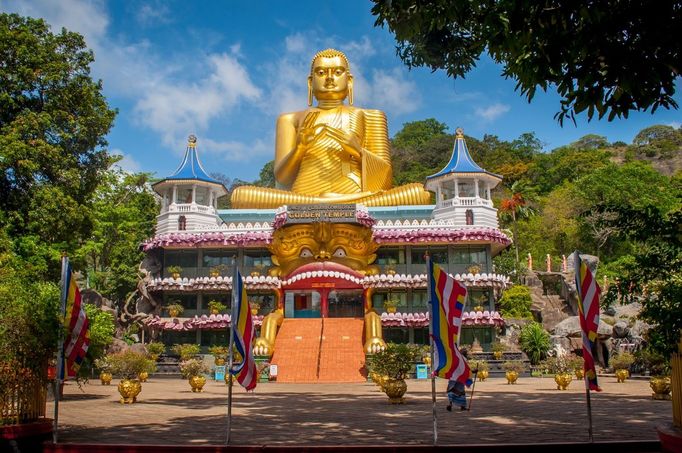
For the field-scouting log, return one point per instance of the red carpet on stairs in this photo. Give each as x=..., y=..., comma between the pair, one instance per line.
x=339, y=355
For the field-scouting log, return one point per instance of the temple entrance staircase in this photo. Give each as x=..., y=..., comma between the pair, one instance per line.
x=320, y=350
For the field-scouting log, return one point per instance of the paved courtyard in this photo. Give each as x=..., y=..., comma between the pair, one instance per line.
x=533, y=410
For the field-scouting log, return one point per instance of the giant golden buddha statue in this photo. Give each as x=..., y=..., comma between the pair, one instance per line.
x=331, y=153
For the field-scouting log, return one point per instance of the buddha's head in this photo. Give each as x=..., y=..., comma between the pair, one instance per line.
x=330, y=78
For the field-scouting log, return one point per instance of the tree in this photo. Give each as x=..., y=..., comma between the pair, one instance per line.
x=535, y=342
x=124, y=214
x=654, y=276
x=514, y=208
x=590, y=141
x=416, y=133
x=266, y=177
x=609, y=58
x=53, y=120
x=658, y=139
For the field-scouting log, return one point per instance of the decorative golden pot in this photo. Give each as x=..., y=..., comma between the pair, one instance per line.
x=214, y=274
x=175, y=275
x=143, y=376
x=395, y=389
x=254, y=312
x=661, y=387
x=197, y=383
x=219, y=361
x=497, y=355
x=579, y=374
x=129, y=389
x=173, y=312
x=511, y=376
x=622, y=375
x=214, y=311
x=255, y=274
x=562, y=380
x=427, y=360
x=154, y=357
x=105, y=378
x=483, y=375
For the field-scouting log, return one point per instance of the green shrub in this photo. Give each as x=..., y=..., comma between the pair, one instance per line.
x=156, y=348
x=622, y=361
x=514, y=365
x=395, y=361
x=535, y=342
x=186, y=351
x=515, y=302
x=129, y=364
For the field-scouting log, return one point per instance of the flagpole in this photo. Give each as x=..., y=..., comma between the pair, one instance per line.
x=576, y=268
x=433, y=376
x=473, y=388
x=60, y=353
x=230, y=354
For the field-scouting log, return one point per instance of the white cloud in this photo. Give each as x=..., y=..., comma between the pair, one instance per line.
x=388, y=90
x=295, y=43
x=492, y=112
x=177, y=108
x=151, y=13
x=127, y=164
x=237, y=151
x=675, y=124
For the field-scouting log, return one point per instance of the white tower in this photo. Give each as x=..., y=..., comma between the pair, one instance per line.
x=463, y=189
x=190, y=196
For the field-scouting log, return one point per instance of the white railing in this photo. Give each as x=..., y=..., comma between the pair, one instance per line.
x=189, y=207
x=465, y=201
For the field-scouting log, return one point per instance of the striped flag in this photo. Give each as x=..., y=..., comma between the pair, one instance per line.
x=446, y=297
x=588, y=306
x=243, y=335
x=76, y=322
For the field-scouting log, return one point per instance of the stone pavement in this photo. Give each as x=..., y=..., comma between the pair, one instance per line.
x=533, y=410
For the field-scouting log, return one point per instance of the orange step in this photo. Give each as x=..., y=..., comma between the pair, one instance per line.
x=342, y=358
x=297, y=348
x=339, y=354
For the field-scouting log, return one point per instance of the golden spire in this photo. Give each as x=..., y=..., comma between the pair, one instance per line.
x=192, y=141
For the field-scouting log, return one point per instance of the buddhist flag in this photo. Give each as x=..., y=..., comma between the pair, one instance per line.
x=446, y=296
x=76, y=322
x=243, y=335
x=588, y=306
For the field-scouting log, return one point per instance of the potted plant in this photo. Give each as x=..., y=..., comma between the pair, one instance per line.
x=255, y=306
x=216, y=306
x=576, y=363
x=391, y=304
x=498, y=348
x=175, y=309
x=512, y=369
x=104, y=367
x=660, y=372
x=155, y=349
x=219, y=354
x=128, y=365
x=562, y=369
x=621, y=364
x=482, y=367
x=186, y=351
x=392, y=366
x=535, y=342
x=474, y=269
x=192, y=370
x=214, y=272
x=174, y=271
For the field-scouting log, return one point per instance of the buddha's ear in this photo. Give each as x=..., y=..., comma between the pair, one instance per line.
x=350, y=89
x=310, y=91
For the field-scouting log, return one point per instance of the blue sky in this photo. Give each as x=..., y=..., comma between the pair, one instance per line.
x=225, y=70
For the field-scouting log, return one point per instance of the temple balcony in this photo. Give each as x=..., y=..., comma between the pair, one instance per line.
x=189, y=207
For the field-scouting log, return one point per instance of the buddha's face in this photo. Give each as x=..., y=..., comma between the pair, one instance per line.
x=330, y=78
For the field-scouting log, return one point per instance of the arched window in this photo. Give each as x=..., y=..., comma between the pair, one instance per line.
x=469, y=216
x=182, y=223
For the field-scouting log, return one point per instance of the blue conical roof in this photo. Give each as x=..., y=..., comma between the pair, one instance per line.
x=461, y=161
x=191, y=167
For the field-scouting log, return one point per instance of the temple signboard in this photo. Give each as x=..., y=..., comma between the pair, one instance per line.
x=333, y=213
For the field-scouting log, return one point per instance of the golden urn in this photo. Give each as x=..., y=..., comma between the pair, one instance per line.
x=483, y=375
x=661, y=387
x=497, y=355
x=173, y=312
x=511, y=376
x=622, y=374
x=219, y=361
x=129, y=389
x=579, y=374
x=214, y=311
x=395, y=390
x=143, y=376
x=562, y=380
x=197, y=383
x=105, y=378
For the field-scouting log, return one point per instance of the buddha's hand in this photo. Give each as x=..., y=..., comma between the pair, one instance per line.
x=348, y=140
x=308, y=131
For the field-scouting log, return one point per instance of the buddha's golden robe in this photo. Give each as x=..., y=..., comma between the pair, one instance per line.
x=328, y=173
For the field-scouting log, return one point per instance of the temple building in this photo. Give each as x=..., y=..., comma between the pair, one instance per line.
x=460, y=233
x=334, y=256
